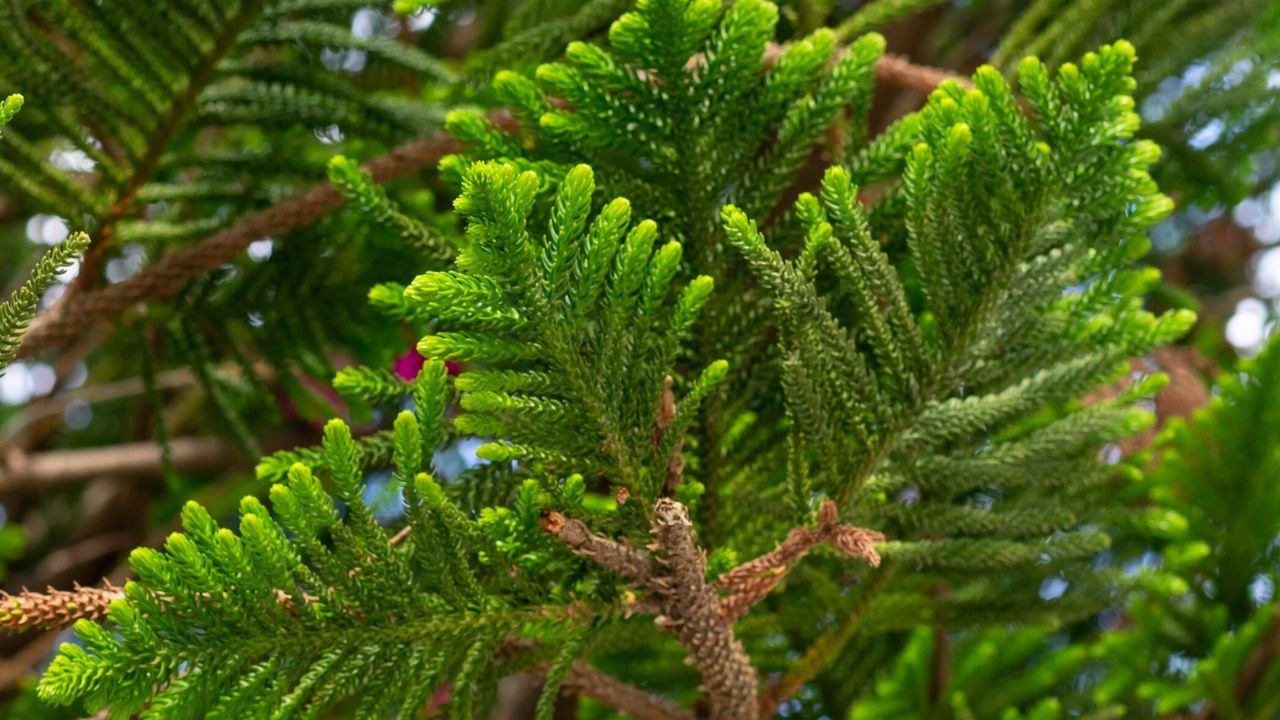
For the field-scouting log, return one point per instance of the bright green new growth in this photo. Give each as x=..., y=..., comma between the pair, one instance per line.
x=8, y=108
x=306, y=606
x=542, y=317
x=676, y=125
x=940, y=396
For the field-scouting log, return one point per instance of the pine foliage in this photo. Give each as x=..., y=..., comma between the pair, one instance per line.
x=1215, y=76
x=1010, y=675
x=312, y=602
x=682, y=109
x=126, y=83
x=547, y=315
x=634, y=301
x=16, y=312
x=935, y=420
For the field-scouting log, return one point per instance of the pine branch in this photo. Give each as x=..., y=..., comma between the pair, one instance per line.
x=689, y=606
x=158, y=141
x=898, y=71
x=163, y=279
x=16, y=312
x=618, y=557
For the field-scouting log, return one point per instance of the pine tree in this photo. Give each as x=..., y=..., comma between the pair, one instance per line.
x=687, y=384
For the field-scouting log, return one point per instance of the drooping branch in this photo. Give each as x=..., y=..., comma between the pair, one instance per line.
x=751, y=581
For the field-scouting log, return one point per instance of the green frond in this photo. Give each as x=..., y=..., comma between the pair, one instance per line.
x=304, y=606
x=572, y=330
x=16, y=312
x=900, y=378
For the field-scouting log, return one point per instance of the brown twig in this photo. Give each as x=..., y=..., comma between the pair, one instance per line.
x=618, y=695
x=54, y=404
x=751, y=581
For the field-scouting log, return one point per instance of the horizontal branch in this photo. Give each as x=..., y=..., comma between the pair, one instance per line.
x=139, y=460
x=900, y=72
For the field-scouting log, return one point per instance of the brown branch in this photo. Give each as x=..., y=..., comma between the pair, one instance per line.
x=691, y=609
x=939, y=665
x=751, y=581
x=618, y=557
x=55, y=609
x=54, y=404
x=142, y=459
x=689, y=606
x=620, y=696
